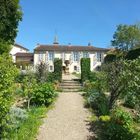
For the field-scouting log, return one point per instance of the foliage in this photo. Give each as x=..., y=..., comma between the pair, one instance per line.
x=16, y=117
x=44, y=94
x=28, y=86
x=133, y=54
x=4, y=47
x=109, y=58
x=20, y=77
x=93, y=76
x=8, y=73
x=121, y=117
x=98, y=101
x=58, y=69
x=105, y=118
x=85, y=69
x=131, y=75
x=10, y=15
x=126, y=37
x=114, y=80
x=42, y=72
x=51, y=77
x=28, y=128
x=123, y=81
x=120, y=126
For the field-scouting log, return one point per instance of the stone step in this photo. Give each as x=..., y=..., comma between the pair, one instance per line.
x=70, y=81
x=70, y=90
x=70, y=87
x=70, y=84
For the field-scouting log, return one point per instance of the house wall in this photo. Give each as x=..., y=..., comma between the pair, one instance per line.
x=15, y=50
x=68, y=56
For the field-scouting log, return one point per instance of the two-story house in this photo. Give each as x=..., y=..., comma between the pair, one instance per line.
x=71, y=54
x=16, y=48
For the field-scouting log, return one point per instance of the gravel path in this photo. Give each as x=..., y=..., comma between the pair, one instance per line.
x=67, y=121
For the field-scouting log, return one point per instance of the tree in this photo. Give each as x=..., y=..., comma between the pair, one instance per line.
x=126, y=37
x=8, y=72
x=115, y=83
x=42, y=72
x=10, y=15
x=85, y=69
x=4, y=47
x=28, y=86
x=58, y=69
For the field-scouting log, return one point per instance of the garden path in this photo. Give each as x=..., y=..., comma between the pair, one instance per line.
x=68, y=120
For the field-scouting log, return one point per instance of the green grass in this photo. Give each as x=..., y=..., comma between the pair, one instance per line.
x=29, y=128
x=78, y=75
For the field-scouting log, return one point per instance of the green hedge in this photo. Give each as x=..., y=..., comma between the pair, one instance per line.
x=110, y=58
x=44, y=94
x=58, y=69
x=85, y=69
x=133, y=54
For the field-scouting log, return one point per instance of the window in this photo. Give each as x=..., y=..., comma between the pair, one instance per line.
x=76, y=56
x=75, y=68
x=63, y=56
x=99, y=57
x=51, y=56
x=51, y=68
x=40, y=56
x=85, y=55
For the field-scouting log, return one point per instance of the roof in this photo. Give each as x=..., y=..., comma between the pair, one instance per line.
x=24, y=54
x=68, y=48
x=19, y=46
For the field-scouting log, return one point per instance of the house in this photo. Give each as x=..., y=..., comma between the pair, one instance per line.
x=69, y=54
x=24, y=60
x=16, y=48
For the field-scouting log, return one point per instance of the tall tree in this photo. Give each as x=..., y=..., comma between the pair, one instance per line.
x=10, y=15
x=126, y=37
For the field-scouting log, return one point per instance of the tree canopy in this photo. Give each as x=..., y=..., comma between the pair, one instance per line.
x=10, y=15
x=126, y=37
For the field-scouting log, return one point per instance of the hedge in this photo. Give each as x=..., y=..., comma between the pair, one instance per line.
x=58, y=69
x=85, y=69
x=133, y=54
x=110, y=58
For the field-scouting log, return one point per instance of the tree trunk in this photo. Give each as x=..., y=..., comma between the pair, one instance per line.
x=29, y=100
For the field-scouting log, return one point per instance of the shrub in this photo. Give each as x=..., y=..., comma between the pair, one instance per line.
x=85, y=69
x=58, y=69
x=131, y=76
x=20, y=77
x=93, y=76
x=44, y=94
x=17, y=116
x=8, y=72
x=110, y=58
x=98, y=101
x=42, y=72
x=28, y=86
x=105, y=118
x=119, y=127
x=51, y=77
x=88, y=86
x=131, y=101
x=133, y=54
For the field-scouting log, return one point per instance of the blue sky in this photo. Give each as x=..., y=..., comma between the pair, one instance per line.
x=75, y=21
